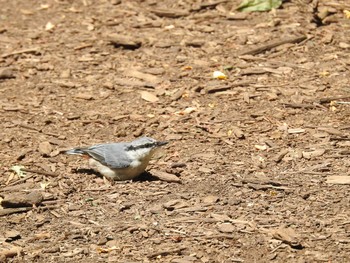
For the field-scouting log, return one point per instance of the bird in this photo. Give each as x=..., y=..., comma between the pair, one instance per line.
x=122, y=160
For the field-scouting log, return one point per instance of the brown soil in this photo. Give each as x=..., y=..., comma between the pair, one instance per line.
x=256, y=153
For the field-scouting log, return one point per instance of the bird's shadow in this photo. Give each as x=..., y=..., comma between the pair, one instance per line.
x=87, y=171
x=144, y=177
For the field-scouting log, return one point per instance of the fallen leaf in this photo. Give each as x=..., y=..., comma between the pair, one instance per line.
x=147, y=96
x=258, y=5
x=347, y=14
x=44, y=185
x=18, y=171
x=49, y=26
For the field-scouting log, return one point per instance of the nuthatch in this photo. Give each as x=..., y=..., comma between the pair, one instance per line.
x=120, y=161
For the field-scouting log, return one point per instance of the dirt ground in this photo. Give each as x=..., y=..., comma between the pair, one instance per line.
x=262, y=156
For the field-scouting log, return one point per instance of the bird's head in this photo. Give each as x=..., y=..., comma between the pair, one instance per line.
x=143, y=147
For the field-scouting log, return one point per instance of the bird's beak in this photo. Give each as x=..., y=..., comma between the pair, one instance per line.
x=161, y=143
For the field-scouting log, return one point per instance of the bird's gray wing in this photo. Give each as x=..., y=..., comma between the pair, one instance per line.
x=112, y=155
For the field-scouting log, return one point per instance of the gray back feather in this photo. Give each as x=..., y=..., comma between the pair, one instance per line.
x=112, y=155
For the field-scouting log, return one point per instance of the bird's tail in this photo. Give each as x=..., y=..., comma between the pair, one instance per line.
x=75, y=151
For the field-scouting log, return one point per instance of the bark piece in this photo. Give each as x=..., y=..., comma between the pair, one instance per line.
x=22, y=200
x=275, y=43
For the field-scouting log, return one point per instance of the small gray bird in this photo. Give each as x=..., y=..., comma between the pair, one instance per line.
x=120, y=161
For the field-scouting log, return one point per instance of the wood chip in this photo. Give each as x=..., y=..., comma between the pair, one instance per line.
x=226, y=228
x=332, y=131
x=287, y=236
x=195, y=43
x=221, y=87
x=6, y=73
x=167, y=177
x=175, y=204
x=220, y=218
x=132, y=83
x=296, y=130
x=211, y=199
x=9, y=211
x=144, y=76
x=170, y=13
x=237, y=16
x=313, y=154
x=83, y=96
x=278, y=157
x=147, y=96
x=338, y=179
x=45, y=148
x=10, y=253
x=23, y=51
x=238, y=132
x=127, y=42
x=165, y=252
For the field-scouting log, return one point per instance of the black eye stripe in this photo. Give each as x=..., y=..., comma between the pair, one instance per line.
x=142, y=146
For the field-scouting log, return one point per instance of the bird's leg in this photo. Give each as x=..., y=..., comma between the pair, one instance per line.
x=108, y=181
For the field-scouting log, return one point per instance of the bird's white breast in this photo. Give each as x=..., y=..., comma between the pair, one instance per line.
x=140, y=159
